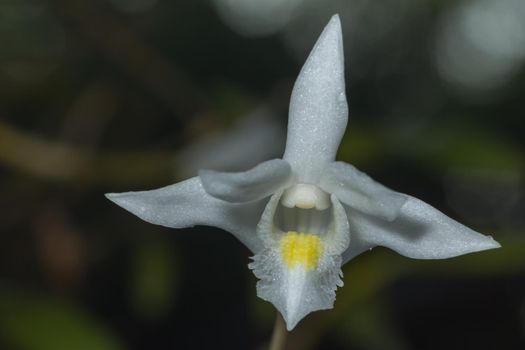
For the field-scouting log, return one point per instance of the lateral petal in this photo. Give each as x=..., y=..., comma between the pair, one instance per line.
x=186, y=204
x=360, y=192
x=420, y=231
x=261, y=181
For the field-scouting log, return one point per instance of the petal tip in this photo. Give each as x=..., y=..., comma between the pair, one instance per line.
x=292, y=317
x=492, y=243
x=333, y=29
x=482, y=243
x=124, y=200
x=118, y=198
x=110, y=195
x=486, y=243
x=335, y=20
x=290, y=326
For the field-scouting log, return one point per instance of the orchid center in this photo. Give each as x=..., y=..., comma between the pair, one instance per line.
x=299, y=248
x=303, y=219
x=305, y=196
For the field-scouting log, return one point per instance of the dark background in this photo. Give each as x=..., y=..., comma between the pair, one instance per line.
x=117, y=95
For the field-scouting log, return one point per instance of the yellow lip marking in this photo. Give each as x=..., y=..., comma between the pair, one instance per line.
x=299, y=248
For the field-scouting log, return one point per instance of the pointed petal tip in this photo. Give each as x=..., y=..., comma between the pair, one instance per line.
x=291, y=319
x=290, y=326
x=483, y=244
x=492, y=243
x=335, y=19
x=333, y=27
x=115, y=197
x=127, y=201
x=329, y=42
x=112, y=197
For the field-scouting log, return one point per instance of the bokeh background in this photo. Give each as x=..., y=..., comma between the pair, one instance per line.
x=114, y=95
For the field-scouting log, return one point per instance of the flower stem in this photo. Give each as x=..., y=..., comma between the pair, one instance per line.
x=279, y=334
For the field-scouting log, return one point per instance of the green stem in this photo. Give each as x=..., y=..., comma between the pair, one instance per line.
x=279, y=334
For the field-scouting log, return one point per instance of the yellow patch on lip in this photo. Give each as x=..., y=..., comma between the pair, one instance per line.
x=299, y=248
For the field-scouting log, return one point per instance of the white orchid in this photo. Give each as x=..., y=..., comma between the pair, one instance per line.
x=305, y=215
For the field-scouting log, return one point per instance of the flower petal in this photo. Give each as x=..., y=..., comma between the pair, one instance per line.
x=420, y=232
x=186, y=204
x=338, y=236
x=296, y=292
x=357, y=190
x=256, y=183
x=318, y=108
x=294, y=287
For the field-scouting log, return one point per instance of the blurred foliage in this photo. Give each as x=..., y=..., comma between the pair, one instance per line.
x=31, y=322
x=154, y=280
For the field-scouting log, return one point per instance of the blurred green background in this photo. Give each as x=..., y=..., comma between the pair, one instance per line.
x=114, y=95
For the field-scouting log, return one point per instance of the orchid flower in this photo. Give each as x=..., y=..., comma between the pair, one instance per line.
x=305, y=215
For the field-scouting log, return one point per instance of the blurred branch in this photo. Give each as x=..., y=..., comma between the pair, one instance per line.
x=89, y=114
x=129, y=51
x=64, y=162
x=278, y=340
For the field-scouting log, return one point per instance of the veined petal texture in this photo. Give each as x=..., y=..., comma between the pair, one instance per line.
x=261, y=181
x=187, y=204
x=296, y=291
x=299, y=272
x=357, y=190
x=420, y=232
x=318, y=108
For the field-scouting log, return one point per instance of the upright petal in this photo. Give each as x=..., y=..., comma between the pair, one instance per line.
x=357, y=190
x=318, y=108
x=186, y=204
x=420, y=232
x=261, y=181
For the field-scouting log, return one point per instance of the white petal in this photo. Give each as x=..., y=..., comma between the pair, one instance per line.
x=296, y=292
x=256, y=183
x=266, y=230
x=318, y=108
x=357, y=190
x=420, y=232
x=186, y=204
x=338, y=236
